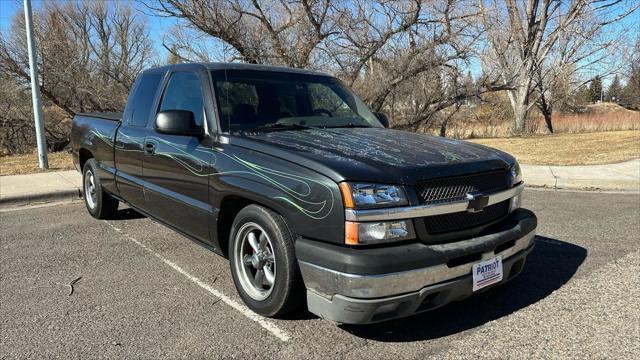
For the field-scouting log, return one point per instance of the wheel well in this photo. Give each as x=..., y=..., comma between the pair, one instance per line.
x=229, y=208
x=83, y=156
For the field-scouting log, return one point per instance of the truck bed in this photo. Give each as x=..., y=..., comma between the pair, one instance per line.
x=95, y=134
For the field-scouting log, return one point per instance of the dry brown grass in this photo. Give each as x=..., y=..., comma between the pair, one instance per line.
x=28, y=163
x=486, y=122
x=570, y=149
x=472, y=130
x=597, y=121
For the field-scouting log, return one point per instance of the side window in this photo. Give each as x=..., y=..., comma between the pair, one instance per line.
x=141, y=99
x=184, y=92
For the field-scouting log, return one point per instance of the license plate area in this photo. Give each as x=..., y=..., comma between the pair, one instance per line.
x=487, y=273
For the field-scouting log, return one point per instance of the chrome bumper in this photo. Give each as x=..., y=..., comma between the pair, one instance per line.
x=348, y=310
x=327, y=283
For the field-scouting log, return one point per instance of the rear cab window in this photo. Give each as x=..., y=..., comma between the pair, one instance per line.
x=141, y=99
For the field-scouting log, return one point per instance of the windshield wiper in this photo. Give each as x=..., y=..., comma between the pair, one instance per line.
x=278, y=127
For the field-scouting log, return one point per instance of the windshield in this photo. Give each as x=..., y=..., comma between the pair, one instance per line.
x=249, y=99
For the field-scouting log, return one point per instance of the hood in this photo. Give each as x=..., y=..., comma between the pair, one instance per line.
x=377, y=154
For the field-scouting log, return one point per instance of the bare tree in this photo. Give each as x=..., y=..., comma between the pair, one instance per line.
x=396, y=54
x=408, y=57
x=15, y=131
x=583, y=49
x=89, y=55
x=275, y=32
x=523, y=36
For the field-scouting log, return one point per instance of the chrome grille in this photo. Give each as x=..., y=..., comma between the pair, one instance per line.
x=456, y=188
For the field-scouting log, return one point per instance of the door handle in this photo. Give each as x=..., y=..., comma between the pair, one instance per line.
x=149, y=148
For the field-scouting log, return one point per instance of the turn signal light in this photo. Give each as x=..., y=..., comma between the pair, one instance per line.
x=369, y=233
x=347, y=197
x=351, y=233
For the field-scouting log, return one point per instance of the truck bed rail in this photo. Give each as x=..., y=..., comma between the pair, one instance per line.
x=115, y=116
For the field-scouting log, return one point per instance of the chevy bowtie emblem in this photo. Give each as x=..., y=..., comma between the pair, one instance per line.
x=477, y=201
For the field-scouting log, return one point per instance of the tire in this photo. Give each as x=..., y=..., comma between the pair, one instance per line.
x=99, y=204
x=273, y=240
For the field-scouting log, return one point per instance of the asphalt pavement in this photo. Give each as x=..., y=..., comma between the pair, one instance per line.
x=147, y=292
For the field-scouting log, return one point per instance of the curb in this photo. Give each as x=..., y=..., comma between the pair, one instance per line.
x=586, y=188
x=38, y=198
x=598, y=184
x=586, y=185
x=610, y=177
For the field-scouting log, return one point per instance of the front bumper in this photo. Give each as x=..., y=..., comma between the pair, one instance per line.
x=371, y=285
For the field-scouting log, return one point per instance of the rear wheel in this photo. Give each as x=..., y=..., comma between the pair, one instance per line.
x=99, y=204
x=263, y=263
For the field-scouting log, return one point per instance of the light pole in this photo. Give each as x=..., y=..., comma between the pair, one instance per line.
x=43, y=162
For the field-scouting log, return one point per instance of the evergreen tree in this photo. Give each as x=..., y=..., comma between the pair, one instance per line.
x=582, y=95
x=595, y=89
x=631, y=92
x=614, y=93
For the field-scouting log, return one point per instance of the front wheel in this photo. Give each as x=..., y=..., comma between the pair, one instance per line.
x=99, y=204
x=263, y=263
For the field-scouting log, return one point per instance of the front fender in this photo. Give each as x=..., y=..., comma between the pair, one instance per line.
x=310, y=202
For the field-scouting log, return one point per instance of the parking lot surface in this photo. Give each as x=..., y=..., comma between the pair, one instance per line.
x=147, y=292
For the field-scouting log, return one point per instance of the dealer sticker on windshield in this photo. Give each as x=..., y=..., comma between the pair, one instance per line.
x=487, y=272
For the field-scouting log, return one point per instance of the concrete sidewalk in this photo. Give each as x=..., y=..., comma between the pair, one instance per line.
x=19, y=190
x=621, y=176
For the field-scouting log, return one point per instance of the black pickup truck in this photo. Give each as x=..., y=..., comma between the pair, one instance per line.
x=310, y=196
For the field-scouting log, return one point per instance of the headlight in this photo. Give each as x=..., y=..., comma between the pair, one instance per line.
x=368, y=233
x=363, y=195
x=516, y=174
x=516, y=178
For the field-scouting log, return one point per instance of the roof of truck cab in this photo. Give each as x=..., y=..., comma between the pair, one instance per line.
x=238, y=66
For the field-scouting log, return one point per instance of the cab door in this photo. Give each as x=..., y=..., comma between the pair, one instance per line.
x=176, y=168
x=129, y=140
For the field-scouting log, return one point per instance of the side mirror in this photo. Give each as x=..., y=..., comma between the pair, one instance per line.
x=178, y=122
x=382, y=117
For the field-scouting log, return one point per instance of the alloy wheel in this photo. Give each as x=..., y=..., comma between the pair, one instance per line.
x=255, y=261
x=90, y=189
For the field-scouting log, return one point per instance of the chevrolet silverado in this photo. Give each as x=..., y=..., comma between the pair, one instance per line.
x=307, y=192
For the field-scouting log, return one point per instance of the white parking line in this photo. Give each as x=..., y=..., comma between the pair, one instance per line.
x=266, y=324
